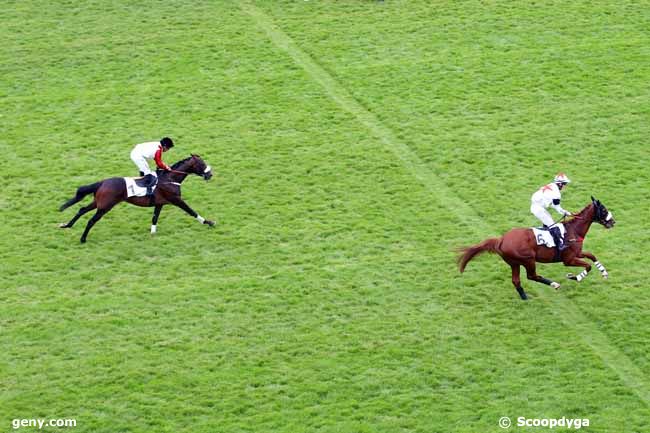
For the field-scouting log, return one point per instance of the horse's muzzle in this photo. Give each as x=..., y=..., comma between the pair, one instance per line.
x=207, y=175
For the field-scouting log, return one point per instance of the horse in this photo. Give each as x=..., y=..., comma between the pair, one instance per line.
x=518, y=247
x=111, y=191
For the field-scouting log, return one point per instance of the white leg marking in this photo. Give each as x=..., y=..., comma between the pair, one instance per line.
x=581, y=275
x=601, y=268
x=200, y=218
x=153, y=229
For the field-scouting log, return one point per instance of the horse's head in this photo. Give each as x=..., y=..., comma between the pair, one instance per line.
x=602, y=215
x=199, y=167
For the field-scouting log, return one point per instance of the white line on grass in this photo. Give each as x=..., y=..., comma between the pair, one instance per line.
x=563, y=307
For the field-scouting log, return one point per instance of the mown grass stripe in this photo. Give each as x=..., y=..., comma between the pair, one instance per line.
x=567, y=311
x=341, y=96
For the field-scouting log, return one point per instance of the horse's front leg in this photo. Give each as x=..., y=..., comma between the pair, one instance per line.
x=577, y=262
x=598, y=265
x=181, y=204
x=154, y=220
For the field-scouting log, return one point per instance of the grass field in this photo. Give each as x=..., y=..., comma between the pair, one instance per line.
x=355, y=144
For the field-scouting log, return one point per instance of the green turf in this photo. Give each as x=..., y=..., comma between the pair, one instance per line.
x=354, y=145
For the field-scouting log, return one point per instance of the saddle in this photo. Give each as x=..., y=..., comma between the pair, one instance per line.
x=140, y=181
x=137, y=186
x=543, y=235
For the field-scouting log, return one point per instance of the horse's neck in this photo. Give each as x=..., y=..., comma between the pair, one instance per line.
x=179, y=177
x=580, y=225
x=581, y=228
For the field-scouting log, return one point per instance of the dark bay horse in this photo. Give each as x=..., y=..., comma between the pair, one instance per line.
x=518, y=247
x=109, y=192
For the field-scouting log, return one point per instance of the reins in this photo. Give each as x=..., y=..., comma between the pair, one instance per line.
x=178, y=172
x=578, y=217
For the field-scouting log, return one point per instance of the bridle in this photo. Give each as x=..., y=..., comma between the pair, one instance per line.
x=207, y=169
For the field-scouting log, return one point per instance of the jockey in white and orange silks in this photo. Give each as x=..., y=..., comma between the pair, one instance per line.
x=545, y=197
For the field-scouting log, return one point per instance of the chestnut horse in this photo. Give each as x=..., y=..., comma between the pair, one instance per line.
x=109, y=192
x=518, y=247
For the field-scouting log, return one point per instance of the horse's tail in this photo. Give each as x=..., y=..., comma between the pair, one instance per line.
x=82, y=191
x=491, y=245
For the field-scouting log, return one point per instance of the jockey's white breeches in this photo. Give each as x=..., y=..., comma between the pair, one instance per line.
x=542, y=214
x=141, y=163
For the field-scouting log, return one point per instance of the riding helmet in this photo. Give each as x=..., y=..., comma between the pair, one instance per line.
x=561, y=178
x=167, y=142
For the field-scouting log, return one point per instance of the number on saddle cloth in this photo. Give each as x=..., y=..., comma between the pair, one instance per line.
x=543, y=235
x=139, y=187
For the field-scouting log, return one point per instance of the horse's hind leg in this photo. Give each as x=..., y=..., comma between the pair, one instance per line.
x=531, y=273
x=81, y=212
x=98, y=215
x=516, y=281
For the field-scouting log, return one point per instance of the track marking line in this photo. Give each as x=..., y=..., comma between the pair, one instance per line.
x=629, y=374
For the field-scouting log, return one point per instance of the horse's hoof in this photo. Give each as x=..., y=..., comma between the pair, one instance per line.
x=571, y=276
x=605, y=276
x=210, y=223
x=64, y=226
x=82, y=240
x=555, y=285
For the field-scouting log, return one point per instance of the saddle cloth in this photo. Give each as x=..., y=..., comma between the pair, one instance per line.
x=543, y=236
x=135, y=190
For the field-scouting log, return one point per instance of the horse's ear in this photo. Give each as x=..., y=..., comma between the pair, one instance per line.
x=593, y=200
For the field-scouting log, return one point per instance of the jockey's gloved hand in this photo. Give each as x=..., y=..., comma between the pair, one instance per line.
x=567, y=213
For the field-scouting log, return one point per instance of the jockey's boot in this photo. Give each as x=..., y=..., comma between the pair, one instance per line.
x=557, y=237
x=150, y=180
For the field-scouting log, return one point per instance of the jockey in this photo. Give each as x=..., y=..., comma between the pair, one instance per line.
x=143, y=152
x=549, y=195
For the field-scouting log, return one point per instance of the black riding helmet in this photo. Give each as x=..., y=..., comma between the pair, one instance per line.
x=167, y=142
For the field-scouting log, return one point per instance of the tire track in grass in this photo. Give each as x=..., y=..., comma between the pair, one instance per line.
x=566, y=310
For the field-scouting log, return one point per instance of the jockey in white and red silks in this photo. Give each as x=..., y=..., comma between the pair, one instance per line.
x=546, y=196
x=144, y=152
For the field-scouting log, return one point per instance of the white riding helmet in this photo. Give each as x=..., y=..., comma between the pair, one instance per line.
x=561, y=178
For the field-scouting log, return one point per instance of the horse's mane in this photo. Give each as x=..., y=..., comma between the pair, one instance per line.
x=578, y=216
x=178, y=164
x=584, y=210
